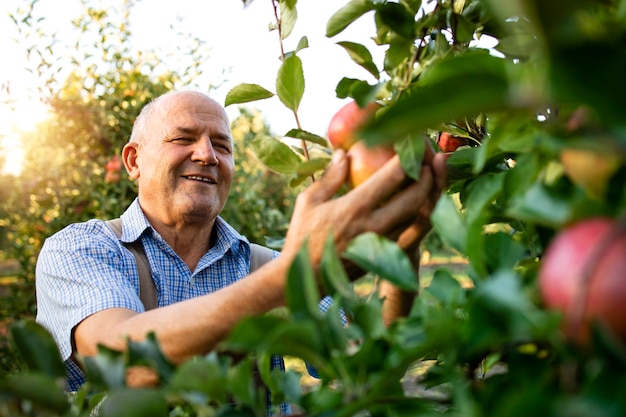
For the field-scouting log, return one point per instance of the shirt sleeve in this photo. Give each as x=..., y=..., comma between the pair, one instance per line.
x=81, y=270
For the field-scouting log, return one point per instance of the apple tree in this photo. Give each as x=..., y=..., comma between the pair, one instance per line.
x=527, y=99
x=532, y=94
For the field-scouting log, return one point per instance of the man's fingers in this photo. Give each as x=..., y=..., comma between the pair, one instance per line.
x=332, y=180
x=405, y=205
x=382, y=185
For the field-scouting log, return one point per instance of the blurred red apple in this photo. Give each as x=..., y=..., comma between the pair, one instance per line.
x=450, y=143
x=344, y=125
x=583, y=276
x=114, y=164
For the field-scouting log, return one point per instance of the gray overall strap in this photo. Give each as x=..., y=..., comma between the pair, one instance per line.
x=147, y=289
x=259, y=255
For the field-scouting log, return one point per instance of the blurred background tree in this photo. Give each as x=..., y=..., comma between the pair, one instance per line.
x=72, y=171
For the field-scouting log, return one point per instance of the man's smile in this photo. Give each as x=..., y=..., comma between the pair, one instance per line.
x=200, y=178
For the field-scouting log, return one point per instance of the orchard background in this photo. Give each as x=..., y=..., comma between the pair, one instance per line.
x=541, y=111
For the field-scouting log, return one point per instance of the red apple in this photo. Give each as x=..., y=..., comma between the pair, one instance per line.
x=114, y=164
x=344, y=125
x=343, y=134
x=583, y=276
x=450, y=143
x=364, y=161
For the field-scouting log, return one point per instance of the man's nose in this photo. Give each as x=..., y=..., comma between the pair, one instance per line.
x=204, y=153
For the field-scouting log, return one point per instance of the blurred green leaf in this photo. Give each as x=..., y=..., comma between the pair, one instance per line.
x=449, y=224
x=275, y=155
x=382, y=257
x=542, y=206
x=139, y=402
x=334, y=278
x=446, y=289
x=250, y=333
x=244, y=93
x=203, y=377
x=360, y=55
x=148, y=352
x=455, y=87
x=302, y=294
x=107, y=369
x=342, y=18
x=503, y=252
x=290, y=82
x=37, y=347
x=43, y=390
x=411, y=151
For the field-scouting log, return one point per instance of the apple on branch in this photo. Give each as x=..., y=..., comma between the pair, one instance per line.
x=583, y=276
x=343, y=133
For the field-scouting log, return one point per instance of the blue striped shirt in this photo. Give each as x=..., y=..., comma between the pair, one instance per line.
x=84, y=268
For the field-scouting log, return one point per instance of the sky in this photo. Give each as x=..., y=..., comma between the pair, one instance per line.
x=239, y=39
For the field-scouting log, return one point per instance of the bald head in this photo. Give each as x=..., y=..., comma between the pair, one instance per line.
x=158, y=106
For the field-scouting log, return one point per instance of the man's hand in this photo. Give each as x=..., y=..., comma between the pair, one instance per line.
x=383, y=204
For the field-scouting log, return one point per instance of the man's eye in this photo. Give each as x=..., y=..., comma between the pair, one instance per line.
x=182, y=140
x=222, y=146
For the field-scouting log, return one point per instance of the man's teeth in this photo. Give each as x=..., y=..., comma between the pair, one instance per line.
x=193, y=177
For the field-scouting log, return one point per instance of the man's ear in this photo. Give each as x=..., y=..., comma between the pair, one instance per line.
x=129, y=156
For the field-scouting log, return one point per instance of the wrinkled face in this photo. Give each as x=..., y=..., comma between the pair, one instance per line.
x=184, y=164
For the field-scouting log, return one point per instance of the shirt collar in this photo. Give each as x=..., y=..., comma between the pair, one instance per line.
x=135, y=224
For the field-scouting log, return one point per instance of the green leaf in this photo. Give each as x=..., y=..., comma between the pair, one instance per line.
x=399, y=51
x=398, y=19
x=139, y=402
x=37, y=347
x=502, y=251
x=481, y=193
x=290, y=82
x=361, y=91
x=446, y=289
x=464, y=29
x=333, y=275
x=309, y=137
x=107, y=368
x=303, y=43
x=288, y=17
x=542, y=206
x=204, y=376
x=453, y=88
x=250, y=333
x=342, y=18
x=302, y=292
x=275, y=155
x=368, y=316
x=448, y=223
x=43, y=390
x=383, y=257
x=244, y=93
x=411, y=152
x=312, y=166
x=362, y=56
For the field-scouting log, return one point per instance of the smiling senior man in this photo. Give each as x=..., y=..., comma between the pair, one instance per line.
x=181, y=155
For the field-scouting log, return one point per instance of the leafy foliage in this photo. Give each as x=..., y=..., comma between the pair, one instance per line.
x=521, y=79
